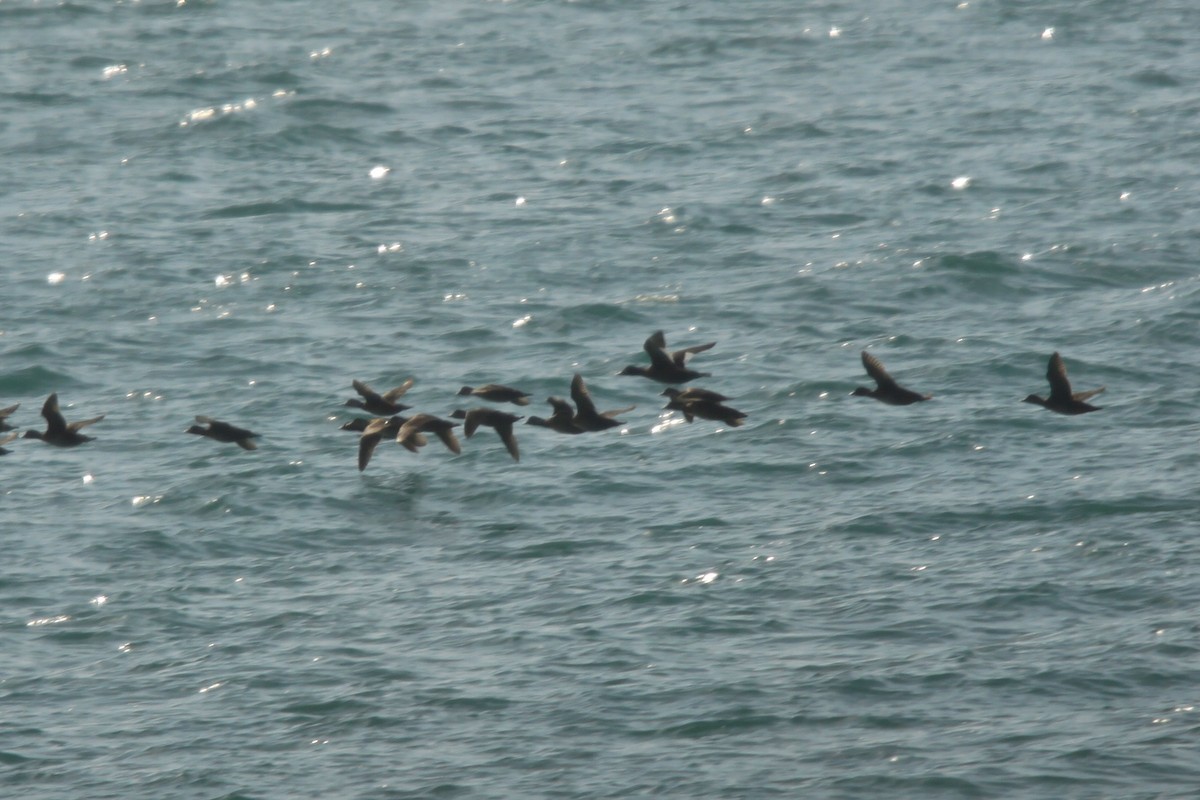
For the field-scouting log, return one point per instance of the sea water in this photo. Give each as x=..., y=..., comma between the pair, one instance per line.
x=235, y=209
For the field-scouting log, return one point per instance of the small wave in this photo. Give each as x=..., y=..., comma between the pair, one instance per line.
x=293, y=206
x=720, y=726
x=35, y=379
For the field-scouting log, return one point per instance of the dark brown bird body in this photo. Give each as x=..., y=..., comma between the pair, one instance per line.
x=1062, y=400
x=373, y=432
x=706, y=408
x=694, y=393
x=665, y=366
x=561, y=421
x=382, y=404
x=500, y=421
x=587, y=418
x=58, y=431
x=224, y=432
x=495, y=393
x=886, y=389
x=409, y=433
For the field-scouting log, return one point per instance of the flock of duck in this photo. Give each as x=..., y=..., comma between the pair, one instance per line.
x=579, y=415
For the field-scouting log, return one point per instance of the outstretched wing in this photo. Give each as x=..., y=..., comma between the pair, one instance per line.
x=680, y=356
x=1056, y=373
x=1081, y=396
x=656, y=348
x=449, y=439
x=391, y=395
x=471, y=421
x=561, y=407
x=504, y=429
x=83, y=423
x=369, y=440
x=55, y=424
x=366, y=391
x=581, y=396
x=874, y=368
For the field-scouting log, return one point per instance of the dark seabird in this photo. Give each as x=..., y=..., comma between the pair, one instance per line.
x=495, y=393
x=694, y=393
x=6, y=440
x=373, y=432
x=409, y=436
x=1062, y=400
x=4, y=415
x=562, y=420
x=58, y=432
x=383, y=404
x=667, y=367
x=360, y=424
x=224, y=432
x=706, y=408
x=587, y=418
x=500, y=421
x=887, y=390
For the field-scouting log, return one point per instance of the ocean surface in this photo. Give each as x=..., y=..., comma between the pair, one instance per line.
x=235, y=209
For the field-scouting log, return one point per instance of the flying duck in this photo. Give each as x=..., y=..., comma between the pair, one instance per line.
x=495, y=393
x=667, y=367
x=373, y=432
x=383, y=404
x=409, y=436
x=887, y=390
x=500, y=421
x=587, y=418
x=1062, y=400
x=694, y=393
x=58, y=432
x=706, y=408
x=562, y=420
x=224, y=432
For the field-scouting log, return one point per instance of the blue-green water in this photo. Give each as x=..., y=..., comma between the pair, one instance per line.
x=234, y=209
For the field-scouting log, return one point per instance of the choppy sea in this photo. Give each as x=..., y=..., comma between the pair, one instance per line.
x=234, y=209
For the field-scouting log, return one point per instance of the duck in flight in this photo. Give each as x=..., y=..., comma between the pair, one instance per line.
x=561, y=421
x=58, y=431
x=666, y=366
x=705, y=404
x=694, y=393
x=372, y=433
x=409, y=434
x=587, y=418
x=495, y=393
x=382, y=404
x=886, y=389
x=1062, y=400
x=500, y=421
x=224, y=432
